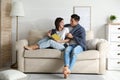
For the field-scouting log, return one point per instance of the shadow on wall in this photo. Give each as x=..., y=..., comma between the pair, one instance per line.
x=100, y=32
x=25, y=26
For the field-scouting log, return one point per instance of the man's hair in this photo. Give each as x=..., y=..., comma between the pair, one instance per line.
x=75, y=17
x=57, y=22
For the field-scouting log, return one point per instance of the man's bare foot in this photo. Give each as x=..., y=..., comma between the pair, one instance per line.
x=28, y=48
x=66, y=72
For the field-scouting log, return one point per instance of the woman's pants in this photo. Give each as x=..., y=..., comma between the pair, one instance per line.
x=70, y=55
x=47, y=42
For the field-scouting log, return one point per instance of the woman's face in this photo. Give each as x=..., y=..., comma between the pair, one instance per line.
x=62, y=24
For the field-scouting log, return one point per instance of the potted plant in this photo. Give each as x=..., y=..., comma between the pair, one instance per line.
x=112, y=18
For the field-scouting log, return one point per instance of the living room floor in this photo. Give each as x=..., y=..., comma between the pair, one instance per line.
x=110, y=75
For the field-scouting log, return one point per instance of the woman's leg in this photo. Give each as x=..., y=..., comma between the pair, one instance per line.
x=53, y=44
x=67, y=54
x=36, y=46
x=43, y=40
x=77, y=50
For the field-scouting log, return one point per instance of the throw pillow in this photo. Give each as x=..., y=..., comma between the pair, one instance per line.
x=12, y=75
x=92, y=44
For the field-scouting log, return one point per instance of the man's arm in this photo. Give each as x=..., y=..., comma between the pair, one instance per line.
x=80, y=36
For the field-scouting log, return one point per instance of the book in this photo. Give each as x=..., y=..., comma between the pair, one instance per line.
x=55, y=37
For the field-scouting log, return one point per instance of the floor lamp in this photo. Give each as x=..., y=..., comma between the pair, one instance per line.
x=16, y=12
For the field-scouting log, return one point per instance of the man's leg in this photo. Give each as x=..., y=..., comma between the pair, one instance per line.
x=67, y=55
x=77, y=50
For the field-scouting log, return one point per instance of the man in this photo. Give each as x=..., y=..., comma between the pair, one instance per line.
x=77, y=44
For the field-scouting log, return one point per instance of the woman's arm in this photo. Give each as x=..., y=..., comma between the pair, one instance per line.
x=63, y=41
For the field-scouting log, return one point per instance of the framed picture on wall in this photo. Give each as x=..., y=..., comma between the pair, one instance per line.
x=85, y=16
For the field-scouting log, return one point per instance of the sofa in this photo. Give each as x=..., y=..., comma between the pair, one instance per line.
x=93, y=60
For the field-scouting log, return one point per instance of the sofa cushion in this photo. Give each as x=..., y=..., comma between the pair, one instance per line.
x=53, y=53
x=86, y=55
x=43, y=53
x=90, y=54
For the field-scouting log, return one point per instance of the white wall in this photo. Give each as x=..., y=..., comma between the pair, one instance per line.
x=42, y=13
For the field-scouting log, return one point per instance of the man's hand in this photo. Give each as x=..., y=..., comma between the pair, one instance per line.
x=69, y=35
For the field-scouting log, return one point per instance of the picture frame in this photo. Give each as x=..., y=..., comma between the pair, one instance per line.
x=85, y=16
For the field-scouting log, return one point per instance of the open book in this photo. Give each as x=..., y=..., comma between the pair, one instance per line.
x=55, y=37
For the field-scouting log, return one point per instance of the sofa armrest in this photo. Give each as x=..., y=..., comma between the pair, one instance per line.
x=20, y=50
x=103, y=48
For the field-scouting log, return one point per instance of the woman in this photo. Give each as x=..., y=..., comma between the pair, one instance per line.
x=49, y=41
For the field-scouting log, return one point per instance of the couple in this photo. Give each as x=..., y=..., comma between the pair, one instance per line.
x=75, y=37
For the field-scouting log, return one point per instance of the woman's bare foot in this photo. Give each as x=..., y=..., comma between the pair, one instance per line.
x=32, y=47
x=28, y=48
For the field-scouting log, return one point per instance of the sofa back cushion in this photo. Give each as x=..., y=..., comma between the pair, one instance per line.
x=89, y=35
x=37, y=34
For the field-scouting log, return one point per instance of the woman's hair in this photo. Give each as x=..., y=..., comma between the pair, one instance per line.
x=57, y=22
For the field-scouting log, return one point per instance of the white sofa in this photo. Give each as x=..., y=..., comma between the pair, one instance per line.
x=51, y=60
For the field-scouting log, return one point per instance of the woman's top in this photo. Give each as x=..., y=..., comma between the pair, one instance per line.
x=62, y=33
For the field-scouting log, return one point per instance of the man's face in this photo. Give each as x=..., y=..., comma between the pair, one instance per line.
x=73, y=22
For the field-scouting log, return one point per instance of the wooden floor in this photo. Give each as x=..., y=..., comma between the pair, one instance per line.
x=110, y=75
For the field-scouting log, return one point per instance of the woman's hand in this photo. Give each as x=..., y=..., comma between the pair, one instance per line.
x=49, y=33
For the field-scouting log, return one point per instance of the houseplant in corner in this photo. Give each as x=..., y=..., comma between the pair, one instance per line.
x=112, y=18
